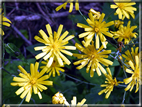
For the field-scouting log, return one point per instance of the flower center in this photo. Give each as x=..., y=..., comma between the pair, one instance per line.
x=53, y=64
x=33, y=81
x=96, y=29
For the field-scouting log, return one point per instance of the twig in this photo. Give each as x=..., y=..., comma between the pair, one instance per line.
x=27, y=17
x=47, y=18
x=21, y=35
x=61, y=14
x=8, y=72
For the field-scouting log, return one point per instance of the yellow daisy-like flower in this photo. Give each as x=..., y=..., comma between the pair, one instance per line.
x=135, y=78
x=117, y=23
x=93, y=57
x=54, y=68
x=124, y=8
x=79, y=104
x=95, y=13
x=71, y=5
x=110, y=83
x=130, y=55
x=54, y=45
x=125, y=32
x=29, y=83
x=97, y=28
x=4, y=21
x=58, y=98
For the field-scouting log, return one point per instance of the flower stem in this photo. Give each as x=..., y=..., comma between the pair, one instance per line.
x=22, y=101
x=109, y=15
x=82, y=15
x=79, y=80
x=124, y=97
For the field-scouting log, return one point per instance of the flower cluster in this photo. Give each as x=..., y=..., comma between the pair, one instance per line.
x=93, y=55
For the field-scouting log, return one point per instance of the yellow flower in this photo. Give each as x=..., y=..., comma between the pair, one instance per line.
x=71, y=5
x=94, y=58
x=79, y=104
x=4, y=21
x=5, y=106
x=110, y=83
x=130, y=55
x=55, y=67
x=95, y=13
x=54, y=45
x=124, y=8
x=97, y=28
x=125, y=32
x=58, y=98
x=135, y=78
x=29, y=83
x=117, y=23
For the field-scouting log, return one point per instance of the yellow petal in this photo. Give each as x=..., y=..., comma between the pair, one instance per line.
x=59, y=30
x=107, y=95
x=45, y=37
x=131, y=64
x=127, y=80
x=40, y=55
x=76, y=6
x=71, y=7
x=24, y=93
x=20, y=90
x=39, y=95
x=28, y=97
x=39, y=48
x=49, y=30
x=50, y=61
x=102, y=69
x=64, y=58
x=70, y=47
x=63, y=35
x=22, y=69
x=66, y=52
x=43, y=78
x=97, y=42
x=19, y=79
x=68, y=38
x=32, y=70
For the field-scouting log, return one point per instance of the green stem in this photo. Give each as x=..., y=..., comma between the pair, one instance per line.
x=82, y=15
x=109, y=15
x=79, y=80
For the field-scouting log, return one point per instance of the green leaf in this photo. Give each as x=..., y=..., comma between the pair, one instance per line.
x=13, y=51
x=93, y=96
x=95, y=79
x=31, y=48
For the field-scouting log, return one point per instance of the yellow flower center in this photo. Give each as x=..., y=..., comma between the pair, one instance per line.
x=53, y=64
x=136, y=74
x=55, y=46
x=96, y=29
x=33, y=81
x=93, y=55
